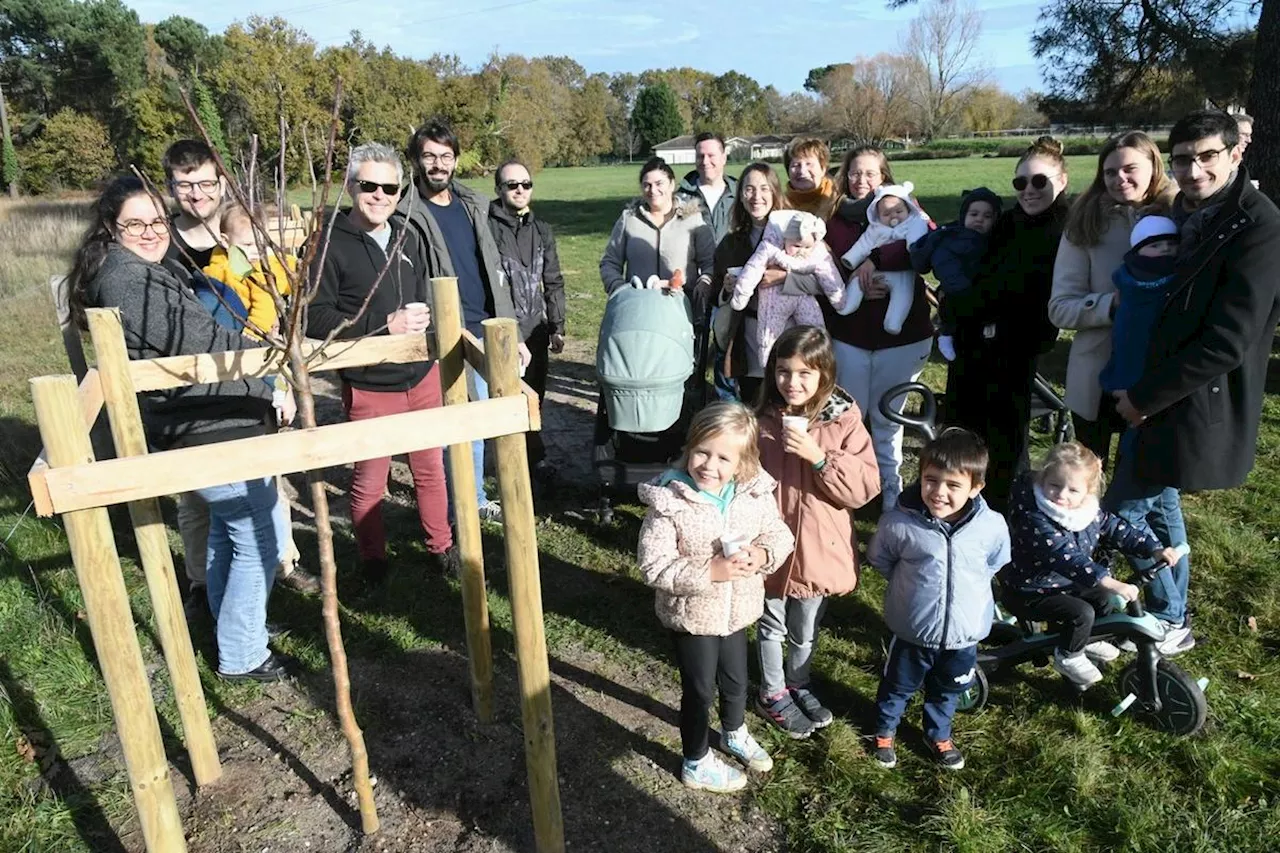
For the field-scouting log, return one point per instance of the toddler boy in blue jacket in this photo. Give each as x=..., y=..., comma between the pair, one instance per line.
x=954, y=253
x=938, y=549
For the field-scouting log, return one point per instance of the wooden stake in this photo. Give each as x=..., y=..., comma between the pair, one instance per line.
x=501, y=341
x=93, y=551
x=153, y=546
x=446, y=316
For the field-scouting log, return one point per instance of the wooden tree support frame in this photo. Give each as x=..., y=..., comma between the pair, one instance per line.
x=65, y=480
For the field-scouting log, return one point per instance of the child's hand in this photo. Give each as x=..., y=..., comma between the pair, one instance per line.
x=1127, y=591
x=1169, y=556
x=730, y=568
x=757, y=558
x=799, y=442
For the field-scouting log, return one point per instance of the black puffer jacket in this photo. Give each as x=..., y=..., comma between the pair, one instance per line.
x=1206, y=370
x=526, y=243
x=352, y=263
x=162, y=316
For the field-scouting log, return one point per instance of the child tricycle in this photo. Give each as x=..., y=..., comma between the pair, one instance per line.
x=1159, y=689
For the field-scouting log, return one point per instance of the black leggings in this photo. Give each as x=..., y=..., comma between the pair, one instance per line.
x=703, y=662
x=1069, y=613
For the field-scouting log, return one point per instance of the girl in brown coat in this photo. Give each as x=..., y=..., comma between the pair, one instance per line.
x=813, y=442
x=711, y=534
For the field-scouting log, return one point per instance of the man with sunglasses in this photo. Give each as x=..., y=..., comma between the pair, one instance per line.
x=198, y=189
x=368, y=250
x=1199, y=401
x=532, y=267
x=452, y=222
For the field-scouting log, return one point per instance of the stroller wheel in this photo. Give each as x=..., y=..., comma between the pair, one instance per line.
x=1183, y=709
x=975, y=697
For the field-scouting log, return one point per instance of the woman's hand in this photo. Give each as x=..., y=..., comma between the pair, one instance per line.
x=287, y=410
x=872, y=285
x=731, y=568
x=799, y=442
x=773, y=277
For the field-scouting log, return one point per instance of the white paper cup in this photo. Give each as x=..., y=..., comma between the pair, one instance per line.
x=799, y=422
x=733, y=543
x=734, y=271
x=415, y=306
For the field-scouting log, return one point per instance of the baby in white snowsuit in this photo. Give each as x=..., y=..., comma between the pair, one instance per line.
x=793, y=241
x=892, y=215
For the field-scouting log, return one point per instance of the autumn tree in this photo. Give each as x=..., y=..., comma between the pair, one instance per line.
x=656, y=115
x=866, y=100
x=72, y=152
x=733, y=105
x=795, y=112
x=941, y=49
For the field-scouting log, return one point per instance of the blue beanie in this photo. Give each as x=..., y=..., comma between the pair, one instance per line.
x=980, y=194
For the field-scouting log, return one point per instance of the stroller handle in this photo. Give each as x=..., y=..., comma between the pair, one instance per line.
x=926, y=421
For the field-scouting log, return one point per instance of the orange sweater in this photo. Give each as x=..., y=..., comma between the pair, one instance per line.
x=253, y=289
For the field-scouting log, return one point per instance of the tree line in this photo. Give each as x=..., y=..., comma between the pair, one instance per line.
x=91, y=88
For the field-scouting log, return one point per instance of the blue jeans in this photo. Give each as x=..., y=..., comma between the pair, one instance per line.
x=1157, y=509
x=945, y=674
x=245, y=545
x=477, y=389
x=726, y=388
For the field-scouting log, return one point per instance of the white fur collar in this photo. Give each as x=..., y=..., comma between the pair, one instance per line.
x=1074, y=520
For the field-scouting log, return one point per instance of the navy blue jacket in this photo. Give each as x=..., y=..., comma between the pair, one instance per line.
x=1048, y=558
x=954, y=253
x=1142, y=284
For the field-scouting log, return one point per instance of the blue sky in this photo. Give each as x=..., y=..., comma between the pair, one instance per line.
x=613, y=35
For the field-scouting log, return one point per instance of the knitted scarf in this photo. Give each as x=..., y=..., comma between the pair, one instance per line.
x=1074, y=520
x=820, y=201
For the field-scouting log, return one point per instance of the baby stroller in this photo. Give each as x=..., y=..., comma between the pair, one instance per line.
x=651, y=361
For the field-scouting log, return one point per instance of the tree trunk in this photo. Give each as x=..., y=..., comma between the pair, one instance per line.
x=329, y=591
x=1263, y=157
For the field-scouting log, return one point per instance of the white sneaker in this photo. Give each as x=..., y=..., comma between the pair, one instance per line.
x=1101, y=652
x=1128, y=647
x=742, y=746
x=1077, y=669
x=712, y=773
x=1177, y=639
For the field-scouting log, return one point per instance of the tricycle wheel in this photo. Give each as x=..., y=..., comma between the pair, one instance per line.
x=975, y=697
x=1183, y=709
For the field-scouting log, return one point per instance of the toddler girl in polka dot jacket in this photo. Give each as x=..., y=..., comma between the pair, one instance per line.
x=1055, y=524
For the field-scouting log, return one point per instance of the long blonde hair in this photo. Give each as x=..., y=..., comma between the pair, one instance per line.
x=1087, y=221
x=734, y=419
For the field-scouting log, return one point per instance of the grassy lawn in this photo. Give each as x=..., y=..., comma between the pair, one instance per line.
x=1046, y=771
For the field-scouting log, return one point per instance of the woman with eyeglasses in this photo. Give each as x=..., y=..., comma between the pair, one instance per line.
x=869, y=360
x=1130, y=182
x=1003, y=321
x=121, y=264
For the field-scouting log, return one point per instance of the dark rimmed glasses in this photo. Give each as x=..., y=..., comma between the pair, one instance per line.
x=374, y=186
x=136, y=227
x=1182, y=162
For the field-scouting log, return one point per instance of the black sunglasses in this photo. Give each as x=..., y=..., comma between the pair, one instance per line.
x=1038, y=181
x=517, y=185
x=372, y=186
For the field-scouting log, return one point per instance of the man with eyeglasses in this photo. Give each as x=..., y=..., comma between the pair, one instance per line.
x=194, y=183
x=532, y=267
x=452, y=221
x=1198, y=403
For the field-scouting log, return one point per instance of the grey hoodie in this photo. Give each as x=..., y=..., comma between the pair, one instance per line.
x=415, y=209
x=162, y=317
x=939, y=593
x=638, y=247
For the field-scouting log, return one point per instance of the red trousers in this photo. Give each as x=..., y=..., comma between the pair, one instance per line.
x=369, y=483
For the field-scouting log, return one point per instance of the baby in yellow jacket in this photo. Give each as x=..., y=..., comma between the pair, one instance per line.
x=237, y=263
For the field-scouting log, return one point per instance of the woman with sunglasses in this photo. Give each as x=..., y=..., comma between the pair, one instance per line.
x=1002, y=320
x=1130, y=182
x=121, y=264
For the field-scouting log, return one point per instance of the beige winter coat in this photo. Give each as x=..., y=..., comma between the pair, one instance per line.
x=640, y=247
x=1081, y=299
x=680, y=535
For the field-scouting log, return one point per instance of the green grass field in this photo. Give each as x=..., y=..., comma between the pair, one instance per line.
x=1046, y=771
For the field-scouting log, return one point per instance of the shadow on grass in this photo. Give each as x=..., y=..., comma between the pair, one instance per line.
x=58, y=776
x=584, y=217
